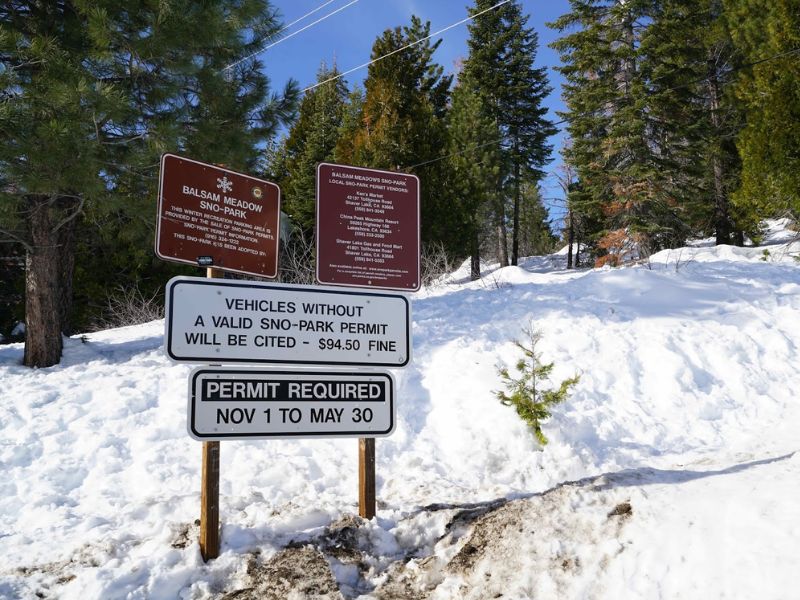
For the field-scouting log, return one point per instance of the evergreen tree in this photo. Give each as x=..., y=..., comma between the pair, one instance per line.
x=312, y=140
x=475, y=161
x=767, y=33
x=535, y=237
x=92, y=93
x=401, y=124
x=527, y=393
x=649, y=121
x=499, y=69
x=688, y=57
x=351, y=123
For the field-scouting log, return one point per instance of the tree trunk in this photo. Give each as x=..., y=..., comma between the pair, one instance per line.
x=475, y=260
x=43, y=312
x=570, y=239
x=502, y=241
x=722, y=219
x=500, y=226
x=66, y=268
x=515, y=231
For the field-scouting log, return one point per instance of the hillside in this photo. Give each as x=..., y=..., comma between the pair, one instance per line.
x=672, y=471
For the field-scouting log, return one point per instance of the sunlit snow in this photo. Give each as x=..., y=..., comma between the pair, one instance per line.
x=672, y=471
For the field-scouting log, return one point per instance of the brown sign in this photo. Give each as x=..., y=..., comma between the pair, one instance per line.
x=210, y=216
x=367, y=228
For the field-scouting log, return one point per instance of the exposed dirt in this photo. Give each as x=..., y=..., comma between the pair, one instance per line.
x=292, y=574
x=553, y=544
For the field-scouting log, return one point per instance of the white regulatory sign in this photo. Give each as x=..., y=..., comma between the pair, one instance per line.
x=217, y=321
x=258, y=404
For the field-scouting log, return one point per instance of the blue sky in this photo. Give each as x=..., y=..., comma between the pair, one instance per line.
x=347, y=38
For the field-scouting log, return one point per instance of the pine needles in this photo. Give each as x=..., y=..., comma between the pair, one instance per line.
x=526, y=393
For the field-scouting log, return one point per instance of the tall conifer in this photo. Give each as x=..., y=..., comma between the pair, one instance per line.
x=475, y=160
x=767, y=33
x=93, y=91
x=401, y=124
x=500, y=69
x=312, y=140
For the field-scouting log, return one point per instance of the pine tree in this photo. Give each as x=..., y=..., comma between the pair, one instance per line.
x=647, y=121
x=767, y=33
x=527, y=393
x=401, y=124
x=92, y=93
x=312, y=140
x=475, y=162
x=535, y=237
x=351, y=124
x=500, y=69
x=688, y=60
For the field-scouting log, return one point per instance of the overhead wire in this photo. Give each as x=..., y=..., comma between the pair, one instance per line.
x=308, y=14
x=562, y=121
x=294, y=33
x=406, y=47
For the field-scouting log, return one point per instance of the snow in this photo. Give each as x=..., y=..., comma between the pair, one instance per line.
x=685, y=412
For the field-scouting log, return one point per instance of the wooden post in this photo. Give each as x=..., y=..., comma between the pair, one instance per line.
x=209, y=492
x=209, y=502
x=366, y=477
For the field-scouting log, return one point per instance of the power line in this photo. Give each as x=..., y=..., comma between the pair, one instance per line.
x=406, y=47
x=563, y=121
x=291, y=35
x=473, y=147
x=308, y=14
x=734, y=69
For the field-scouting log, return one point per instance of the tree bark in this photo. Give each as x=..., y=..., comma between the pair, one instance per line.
x=502, y=241
x=475, y=259
x=43, y=344
x=570, y=238
x=515, y=231
x=500, y=225
x=723, y=225
x=65, y=237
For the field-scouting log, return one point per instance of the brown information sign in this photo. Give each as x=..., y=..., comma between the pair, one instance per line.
x=367, y=228
x=210, y=216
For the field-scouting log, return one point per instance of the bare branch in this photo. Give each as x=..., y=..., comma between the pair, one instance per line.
x=16, y=239
x=75, y=213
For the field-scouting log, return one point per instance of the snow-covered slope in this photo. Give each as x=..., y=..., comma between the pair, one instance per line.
x=672, y=471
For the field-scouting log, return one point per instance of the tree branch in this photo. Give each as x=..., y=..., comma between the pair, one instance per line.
x=16, y=239
x=74, y=214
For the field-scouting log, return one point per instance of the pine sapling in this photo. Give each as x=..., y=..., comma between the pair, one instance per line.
x=526, y=392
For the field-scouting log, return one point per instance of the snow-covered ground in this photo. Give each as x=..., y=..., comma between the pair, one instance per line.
x=672, y=472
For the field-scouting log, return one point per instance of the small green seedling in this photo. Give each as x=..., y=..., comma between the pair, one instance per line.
x=526, y=393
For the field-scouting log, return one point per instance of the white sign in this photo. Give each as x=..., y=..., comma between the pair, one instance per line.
x=257, y=404
x=216, y=321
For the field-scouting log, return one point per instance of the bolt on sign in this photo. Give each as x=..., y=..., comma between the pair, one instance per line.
x=219, y=320
x=212, y=216
x=262, y=404
x=368, y=232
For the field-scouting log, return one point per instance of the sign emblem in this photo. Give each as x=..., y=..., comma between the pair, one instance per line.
x=224, y=184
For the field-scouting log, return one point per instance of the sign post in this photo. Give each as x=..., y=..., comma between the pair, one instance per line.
x=370, y=238
x=366, y=477
x=209, y=490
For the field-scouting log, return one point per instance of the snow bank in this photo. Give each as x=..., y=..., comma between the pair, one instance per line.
x=686, y=411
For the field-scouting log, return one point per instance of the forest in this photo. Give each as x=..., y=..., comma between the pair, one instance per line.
x=683, y=120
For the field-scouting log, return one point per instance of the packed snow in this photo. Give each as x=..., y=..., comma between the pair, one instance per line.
x=672, y=471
